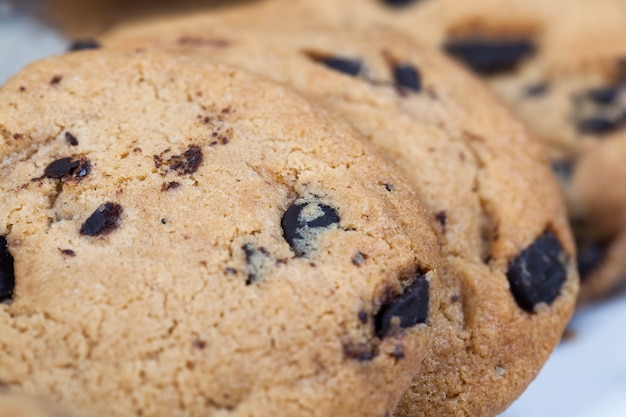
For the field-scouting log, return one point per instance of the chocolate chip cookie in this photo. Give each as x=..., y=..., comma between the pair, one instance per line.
x=508, y=276
x=181, y=238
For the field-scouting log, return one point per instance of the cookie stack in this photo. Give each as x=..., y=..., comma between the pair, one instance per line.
x=248, y=214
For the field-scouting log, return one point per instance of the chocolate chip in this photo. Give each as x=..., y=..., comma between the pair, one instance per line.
x=60, y=168
x=563, y=169
x=71, y=139
x=362, y=352
x=185, y=163
x=104, y=220
x=347, y=66
x=538, y=273
x=389, y=187
x=399, y=3
x=83, y=44
x=490, y=57
x=600, y=125
x=199, y=344
x=604, y=95
x=7, y=273
x=67, y=252
x=56, y=80
x=363, y=317
x=66, y=167
x=398, y=352
x=405, y=310
x=359, y=258
x=303, y=221
x=442, y=218
x=167, y=186
x=407, y=77
x=589, y=256
x=536, y=90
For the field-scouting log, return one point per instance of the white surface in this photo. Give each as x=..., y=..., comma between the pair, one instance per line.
x=23, y=40
x=586, y=377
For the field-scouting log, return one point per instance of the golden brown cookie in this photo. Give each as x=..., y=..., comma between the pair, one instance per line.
x=509, y=283
x=181, y=238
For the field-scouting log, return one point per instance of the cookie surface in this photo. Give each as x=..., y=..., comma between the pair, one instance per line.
x=559, y=65
x=508, y=282
x=186, y=239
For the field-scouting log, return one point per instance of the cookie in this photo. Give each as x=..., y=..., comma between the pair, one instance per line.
x=508, y=278
x=559, y=65
x=181, y=238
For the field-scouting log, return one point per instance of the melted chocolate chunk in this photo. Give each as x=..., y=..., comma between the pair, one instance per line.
x=303, y=221
x=399, y=3
x=538, y=273
x=256, y=261
x=104, y=220
x=589, y=256
x=60, y=168
x=600, y=125
x=83, y=44
x=347, y=66
x=490, y=57
x=407, y=77
x=7, y=273
x=604, y=95
x=65, y=167
x=185, y=163
x=405, y=310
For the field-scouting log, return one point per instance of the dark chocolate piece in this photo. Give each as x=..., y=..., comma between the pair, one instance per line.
x=299, y=230
x=599, y=125
x=60, y=168
x=442, y=218
x=589, y=256
x=407, y=77
x=71, y=139
x=347, y=66
x=490, y=56
x=361, y=352
x=604, y=95
x=7, y=273
x=405, y=310
x=84, y=44
x=104, y=220
x=185, y=163
x=56, y=79
x=399, y=3
x=538, y=273
x=65, y=167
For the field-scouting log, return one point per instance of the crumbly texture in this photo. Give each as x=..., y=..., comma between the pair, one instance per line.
x=492, y=200
x=187, y=239
x=559, y=65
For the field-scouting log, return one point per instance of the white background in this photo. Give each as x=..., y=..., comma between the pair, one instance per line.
x=585, y=377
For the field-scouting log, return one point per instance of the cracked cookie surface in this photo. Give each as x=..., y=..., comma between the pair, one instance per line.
x=508, y=279
x=181, y=238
